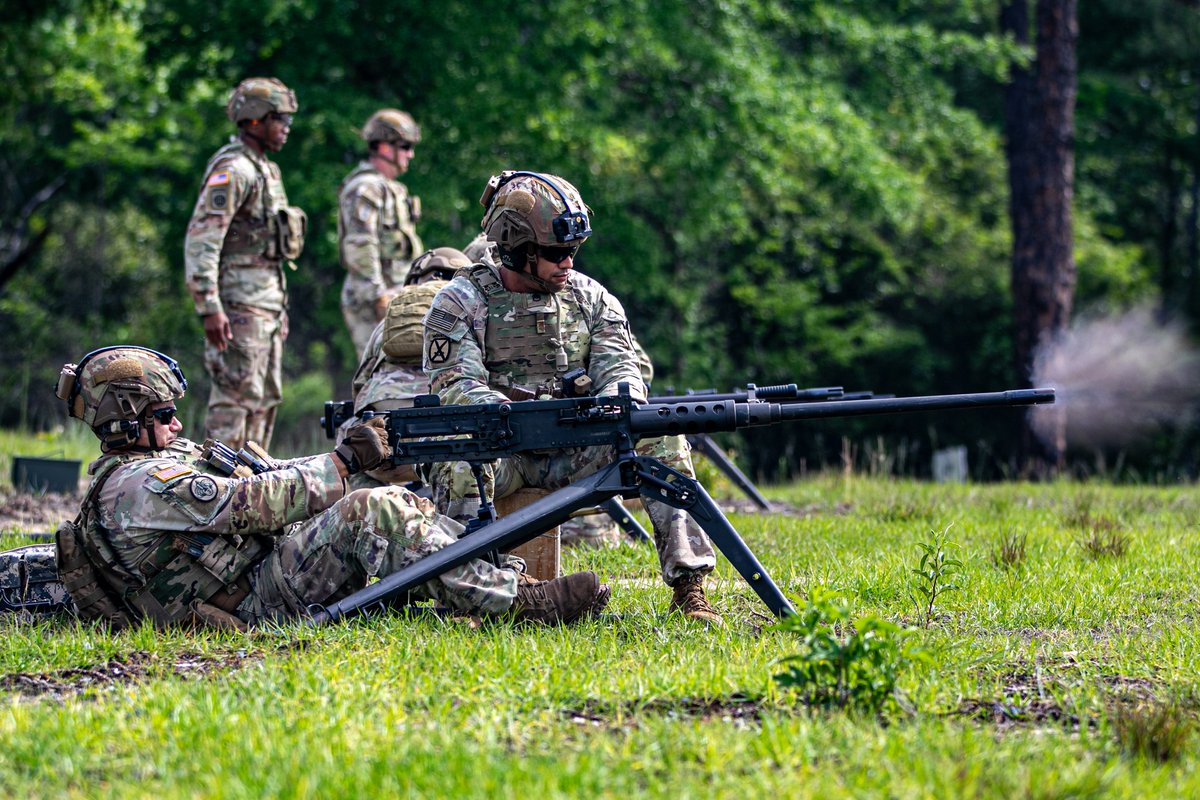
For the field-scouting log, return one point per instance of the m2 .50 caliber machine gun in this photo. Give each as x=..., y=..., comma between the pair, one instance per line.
x=336, y=412
x=477, y=434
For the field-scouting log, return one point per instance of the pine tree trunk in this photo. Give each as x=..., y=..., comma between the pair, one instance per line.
x=1040, y=127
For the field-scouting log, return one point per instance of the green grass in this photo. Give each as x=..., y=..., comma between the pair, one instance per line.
x=1028, y=666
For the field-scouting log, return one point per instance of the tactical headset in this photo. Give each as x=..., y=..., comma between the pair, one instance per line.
x=118, y=432
x=569, y=226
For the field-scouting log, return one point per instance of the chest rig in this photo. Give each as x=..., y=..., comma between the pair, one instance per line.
x=531, y=339
x=398, y=215
x=265, y=227
x=161, y=583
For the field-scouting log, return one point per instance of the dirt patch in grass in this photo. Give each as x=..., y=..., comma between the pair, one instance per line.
x=21, y=512
x=1029, y=700
x=736, y=709
x=133, y=668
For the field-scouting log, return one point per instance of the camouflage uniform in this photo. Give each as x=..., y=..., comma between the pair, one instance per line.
x=483, y=342
x=381, y=383
x=233, y=264
x=163, y=514
x=601, y=530
x=377, y=241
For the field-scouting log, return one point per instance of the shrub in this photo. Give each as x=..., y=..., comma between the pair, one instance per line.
x=844, y=665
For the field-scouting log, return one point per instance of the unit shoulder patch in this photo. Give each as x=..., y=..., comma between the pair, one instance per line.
x=203, y=488
x=439, y=349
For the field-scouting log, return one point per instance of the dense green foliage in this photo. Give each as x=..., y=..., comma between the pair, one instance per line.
x=1031, y=687
x=809, y=192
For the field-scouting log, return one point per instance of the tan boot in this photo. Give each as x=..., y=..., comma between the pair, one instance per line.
x=689, y=599
x=561, y=600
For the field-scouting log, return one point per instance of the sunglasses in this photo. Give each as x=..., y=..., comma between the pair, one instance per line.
x=164, y=415
x=557, y=255
x=405, y=146
x=286, y=119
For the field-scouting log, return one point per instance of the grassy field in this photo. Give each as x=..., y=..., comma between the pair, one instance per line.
x=1063, y=665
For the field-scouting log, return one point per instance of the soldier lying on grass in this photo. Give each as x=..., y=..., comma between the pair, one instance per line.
x=170, y=532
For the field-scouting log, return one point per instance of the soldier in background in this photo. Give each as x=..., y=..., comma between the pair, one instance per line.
x=241, y=233
x=511, y=326
x=377, y=235
x=389, y=374
x=169, y=533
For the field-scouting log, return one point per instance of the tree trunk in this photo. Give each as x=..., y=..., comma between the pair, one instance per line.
x=1040, y=128
x=1193, y=227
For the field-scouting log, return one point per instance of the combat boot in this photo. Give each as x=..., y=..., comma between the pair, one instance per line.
x=561, y=600
x=689, y=599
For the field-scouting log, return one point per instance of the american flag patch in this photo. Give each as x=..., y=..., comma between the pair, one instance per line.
x=170, y=473
x=218, y=179
x=441, y=320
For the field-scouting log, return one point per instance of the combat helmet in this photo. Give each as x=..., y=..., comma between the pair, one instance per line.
x=254, y=98
x=391, y=125
x=111, y=387
x=439, y=263
x=528, y=209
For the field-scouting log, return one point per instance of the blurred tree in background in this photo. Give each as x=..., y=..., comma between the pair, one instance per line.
x=806, y=191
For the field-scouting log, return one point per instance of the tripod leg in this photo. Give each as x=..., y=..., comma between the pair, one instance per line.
x=623, y=518
x=703, y=443
x=660, y=482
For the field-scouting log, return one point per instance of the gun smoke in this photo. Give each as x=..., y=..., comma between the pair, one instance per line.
x=1118, y=378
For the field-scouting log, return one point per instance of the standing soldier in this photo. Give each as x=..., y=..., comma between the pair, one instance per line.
x=377, y=235
x=242, y=231
x=513, y=326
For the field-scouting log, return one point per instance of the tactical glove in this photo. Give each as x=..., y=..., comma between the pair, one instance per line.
x=365, y=445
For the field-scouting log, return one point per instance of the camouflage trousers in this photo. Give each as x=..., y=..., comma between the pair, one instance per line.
x=683, y=547
x=369, y=533
x=592, y=530
x=247, y=377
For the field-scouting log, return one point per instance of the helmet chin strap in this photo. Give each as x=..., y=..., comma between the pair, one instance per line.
x=248, y=130
x=532, y=274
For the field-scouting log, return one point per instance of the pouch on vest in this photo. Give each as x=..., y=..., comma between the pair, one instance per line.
x=403, y=326
x=93, y=596
x=291, y=227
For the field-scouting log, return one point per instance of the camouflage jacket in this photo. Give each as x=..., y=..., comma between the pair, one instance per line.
x=156, y=505
x=381, y=384
x=377, y=234
x=482, y=340
x=229, y=252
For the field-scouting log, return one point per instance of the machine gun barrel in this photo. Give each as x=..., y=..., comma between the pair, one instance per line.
x=699, y=416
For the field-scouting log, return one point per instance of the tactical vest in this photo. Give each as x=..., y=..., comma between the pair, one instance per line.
x=207, y=565
x=403, y=326
x=531, y=339
x=269, y=229
x=398, y=215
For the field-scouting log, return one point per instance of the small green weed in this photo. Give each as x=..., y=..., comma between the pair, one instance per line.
x=1009, y=552
x=1156, y=730
x=844, y=665
x=1099, y=545
x=935, y=574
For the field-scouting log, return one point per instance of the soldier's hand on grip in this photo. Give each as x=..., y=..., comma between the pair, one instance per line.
x=365, y=445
